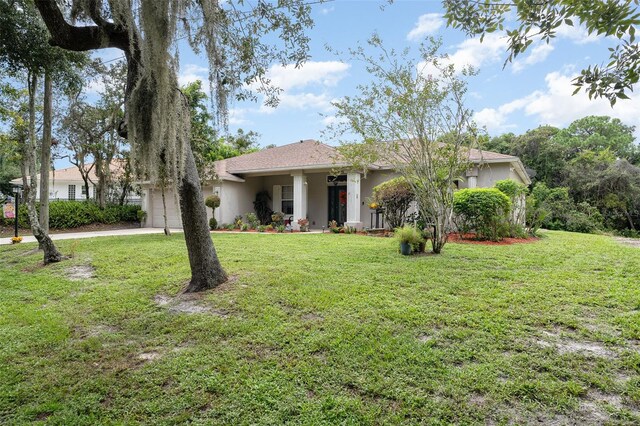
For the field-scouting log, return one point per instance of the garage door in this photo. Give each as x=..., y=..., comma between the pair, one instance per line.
x=173, y=211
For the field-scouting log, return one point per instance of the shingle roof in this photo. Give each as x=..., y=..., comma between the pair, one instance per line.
x=72, y=174
x=292, y=156
x=307, y=154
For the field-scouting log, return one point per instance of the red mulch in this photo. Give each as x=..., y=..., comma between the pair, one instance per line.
x=471, y=239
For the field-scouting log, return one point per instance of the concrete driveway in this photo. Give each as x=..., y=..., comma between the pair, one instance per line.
x=76, y=235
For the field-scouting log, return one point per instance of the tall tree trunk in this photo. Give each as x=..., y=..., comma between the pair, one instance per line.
x=100, y=187
x=51, y=253
x=206, y=271
x=167, y=231
x=45, y=154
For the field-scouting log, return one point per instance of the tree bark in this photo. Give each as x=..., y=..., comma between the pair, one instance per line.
x=206, y=271
x=51, y=253
x=167, y=231
x=45, y=154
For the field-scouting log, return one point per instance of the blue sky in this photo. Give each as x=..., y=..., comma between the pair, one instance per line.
x=533, y=91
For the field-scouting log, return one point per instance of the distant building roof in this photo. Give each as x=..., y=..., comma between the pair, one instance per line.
x=72, y=174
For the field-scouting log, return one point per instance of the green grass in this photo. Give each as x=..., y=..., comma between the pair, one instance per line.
x=323, y=329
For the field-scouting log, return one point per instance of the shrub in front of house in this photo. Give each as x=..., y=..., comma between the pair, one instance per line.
x=252, y=220
x=72, y=214
x=213, y=223
x=484, y=211
x=394, y=197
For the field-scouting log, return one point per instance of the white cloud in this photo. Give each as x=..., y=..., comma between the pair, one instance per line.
x=538, y=54
x=557, y=107
x=472, y=52
x=300, y=101
x=427, y=24
x=327, y=10
x=578, y=35
x=191, y=73
x=307, y=87
x=238, y=116
x=327, y=73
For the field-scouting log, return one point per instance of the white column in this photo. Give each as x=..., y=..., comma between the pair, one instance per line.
x=147, y=205
x=353, y=201
x=299, y=199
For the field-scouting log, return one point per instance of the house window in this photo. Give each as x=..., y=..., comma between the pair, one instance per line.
x=72, y=192
x=287, y=199
x=84, y=190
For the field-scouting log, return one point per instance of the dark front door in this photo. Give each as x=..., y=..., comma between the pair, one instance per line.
x=338, y=204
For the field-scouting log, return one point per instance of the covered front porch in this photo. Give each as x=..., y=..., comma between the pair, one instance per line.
x=317, y=196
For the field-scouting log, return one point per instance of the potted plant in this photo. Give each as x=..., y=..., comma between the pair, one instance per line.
x=409, y=237
x=304, y=225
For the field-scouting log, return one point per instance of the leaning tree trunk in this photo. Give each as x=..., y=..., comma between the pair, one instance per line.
x=51, y=253
x=45, y=154
x=206, y=271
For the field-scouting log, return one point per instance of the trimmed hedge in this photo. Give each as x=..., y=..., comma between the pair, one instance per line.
x=484, y=210
x=72, y=214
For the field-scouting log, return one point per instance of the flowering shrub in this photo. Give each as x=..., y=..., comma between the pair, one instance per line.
x=304, y=225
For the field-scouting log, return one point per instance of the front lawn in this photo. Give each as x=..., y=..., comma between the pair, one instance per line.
x=322, y=329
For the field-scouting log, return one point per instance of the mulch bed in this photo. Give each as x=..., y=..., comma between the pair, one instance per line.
x=471, y=239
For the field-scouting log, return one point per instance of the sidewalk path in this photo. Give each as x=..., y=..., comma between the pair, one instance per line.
x=76, y=235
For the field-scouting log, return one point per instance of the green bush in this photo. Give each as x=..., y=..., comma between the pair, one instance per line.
x=411, y=235
x=213, y=223
x=511, y=188
x=483, y=210
x=395, y=197
x=517, y=219
x=212, y=201
x=72, y=214
x=252, y=220
x=561, y=213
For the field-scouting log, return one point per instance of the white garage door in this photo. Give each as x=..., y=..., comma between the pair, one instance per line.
x=173, y=211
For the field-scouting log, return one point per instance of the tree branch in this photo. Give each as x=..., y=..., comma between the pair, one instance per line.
x=79, y=39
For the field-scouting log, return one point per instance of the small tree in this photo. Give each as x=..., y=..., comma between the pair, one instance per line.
x=213, y=202
x=484, y=210
x=395, y=197
x=517, y=193
x=412, y=116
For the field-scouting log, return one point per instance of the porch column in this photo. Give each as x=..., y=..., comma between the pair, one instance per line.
x=353, y=201
x=472, y=177
x=299, y=199
x=146, y=204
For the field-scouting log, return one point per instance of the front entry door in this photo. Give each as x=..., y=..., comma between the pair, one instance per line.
x=338, y=204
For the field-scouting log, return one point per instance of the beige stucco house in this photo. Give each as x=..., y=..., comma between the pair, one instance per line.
x=301, y=184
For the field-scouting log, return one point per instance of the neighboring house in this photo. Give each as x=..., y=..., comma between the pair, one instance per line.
x=300, y=182
x=67, y=184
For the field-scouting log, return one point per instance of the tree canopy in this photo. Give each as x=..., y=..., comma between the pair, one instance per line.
x=540, y=20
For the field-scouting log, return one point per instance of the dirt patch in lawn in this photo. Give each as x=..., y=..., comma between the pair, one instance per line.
x=566, y=345
x=633, y=242
x=80, y=272
x=472, y=239
x=149, y=356
x=188, y=304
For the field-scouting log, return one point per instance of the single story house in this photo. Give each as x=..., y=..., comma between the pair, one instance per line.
x=300, y=182
x=67, y=184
